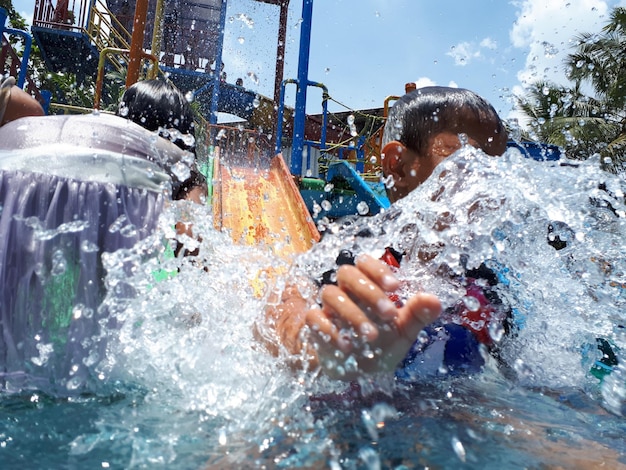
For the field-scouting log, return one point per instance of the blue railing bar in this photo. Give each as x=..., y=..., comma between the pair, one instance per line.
x=218, y=66
x=21, y=79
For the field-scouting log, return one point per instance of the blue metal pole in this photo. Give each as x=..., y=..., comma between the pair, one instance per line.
x=303, y=82
x=3, y=20
x=218, y=65
x=28, y=42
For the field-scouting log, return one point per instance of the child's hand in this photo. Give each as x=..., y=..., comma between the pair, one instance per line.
x=358, y=329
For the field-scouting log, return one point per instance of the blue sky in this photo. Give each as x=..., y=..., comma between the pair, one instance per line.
x=365, y=50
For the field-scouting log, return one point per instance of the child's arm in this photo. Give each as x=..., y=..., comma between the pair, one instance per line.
x=355, y=317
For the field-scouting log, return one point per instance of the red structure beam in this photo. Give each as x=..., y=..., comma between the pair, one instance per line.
x=136, y=42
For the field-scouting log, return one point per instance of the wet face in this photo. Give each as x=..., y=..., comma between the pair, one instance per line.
x=409, y=169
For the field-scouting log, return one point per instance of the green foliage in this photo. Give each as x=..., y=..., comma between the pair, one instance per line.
x=67, y=90
x=112, y=90
x=63, y=86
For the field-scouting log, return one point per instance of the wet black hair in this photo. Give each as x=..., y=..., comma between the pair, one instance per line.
x=425, y=112
x=159, y=106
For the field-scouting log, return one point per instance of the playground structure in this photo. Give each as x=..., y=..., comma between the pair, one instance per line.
x=182, y=39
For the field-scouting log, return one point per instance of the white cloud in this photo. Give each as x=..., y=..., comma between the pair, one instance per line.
x=424, y=81
x=489, y=43
x=465, y=52
x=547, y=30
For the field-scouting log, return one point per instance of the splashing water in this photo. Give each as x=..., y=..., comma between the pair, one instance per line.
x=477, y=209
x=184, y=381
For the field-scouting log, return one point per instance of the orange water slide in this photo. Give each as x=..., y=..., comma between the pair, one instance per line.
x=258, y=203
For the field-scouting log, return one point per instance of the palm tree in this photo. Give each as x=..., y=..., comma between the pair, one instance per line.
x=601, y=60
x=566, y=117
x=587, y=125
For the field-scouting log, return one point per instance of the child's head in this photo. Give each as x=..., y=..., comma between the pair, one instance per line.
x=423, y=128
x=154, y=105
x=157, y=105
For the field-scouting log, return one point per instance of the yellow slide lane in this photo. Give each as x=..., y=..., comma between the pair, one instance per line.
x=262, y=206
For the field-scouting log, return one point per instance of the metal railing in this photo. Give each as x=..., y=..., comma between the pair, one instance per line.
x=88, y=17
x=239, y=144
x=11, y=63
x=18, y=67
x=66, y=15
x=105, y=31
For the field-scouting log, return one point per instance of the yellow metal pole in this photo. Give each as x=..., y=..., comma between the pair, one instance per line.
x=100, y=77
x=136, y=42
x=157, y=32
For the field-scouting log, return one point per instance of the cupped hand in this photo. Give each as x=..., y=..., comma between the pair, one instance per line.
x=358, y=329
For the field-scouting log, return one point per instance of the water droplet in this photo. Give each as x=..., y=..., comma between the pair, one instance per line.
x=389, y=182
x=59, y=263
x=256, y=102
x=181, y=171
x=241, y=40
x=74, y=383
x=458, y=448
x=423, y=337
x=252, y=76
x=471, y=303
x=222, y=437
x=362, y=208
x=77, y=311
x=496, y=331
x=88, y=247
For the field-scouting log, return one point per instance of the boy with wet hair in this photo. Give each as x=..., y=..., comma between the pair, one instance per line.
x=424, y=127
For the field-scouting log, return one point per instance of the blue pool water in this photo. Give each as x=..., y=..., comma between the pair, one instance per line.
x=181, y=382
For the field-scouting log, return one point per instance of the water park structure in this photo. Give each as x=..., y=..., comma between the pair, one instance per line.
x=183, y=40
x=174, y=331
x=327, y=169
